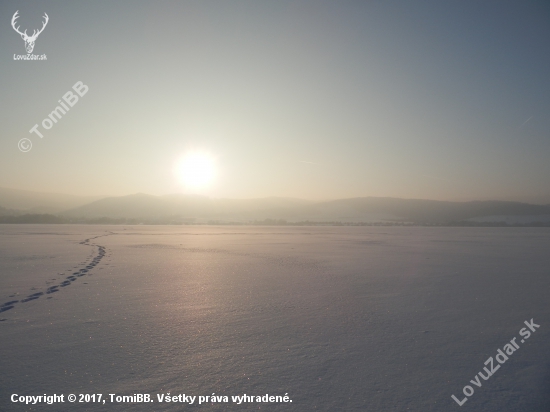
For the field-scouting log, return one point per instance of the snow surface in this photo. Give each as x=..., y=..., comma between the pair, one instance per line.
x=340, y=318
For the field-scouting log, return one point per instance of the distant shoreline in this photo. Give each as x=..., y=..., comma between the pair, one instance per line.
x=53, y=219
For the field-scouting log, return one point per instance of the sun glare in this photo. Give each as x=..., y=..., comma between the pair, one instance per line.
x=196, y=170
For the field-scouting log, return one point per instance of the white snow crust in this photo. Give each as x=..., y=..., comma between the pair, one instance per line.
x=340, y=318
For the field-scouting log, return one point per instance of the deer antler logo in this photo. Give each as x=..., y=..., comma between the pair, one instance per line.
x=29, y=40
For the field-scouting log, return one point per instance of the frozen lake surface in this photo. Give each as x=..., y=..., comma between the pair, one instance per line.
x=338, y=318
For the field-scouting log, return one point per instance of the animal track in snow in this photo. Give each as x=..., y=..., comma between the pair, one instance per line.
x=84, y=271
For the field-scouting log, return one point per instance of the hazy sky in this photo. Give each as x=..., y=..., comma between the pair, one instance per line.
x=311, y=99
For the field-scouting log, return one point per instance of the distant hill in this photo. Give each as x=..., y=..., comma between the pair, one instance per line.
x=368, y=209
x=38, y=202
x=433, y=211
x=18, y=206
x=9, y=212
x=142, y=206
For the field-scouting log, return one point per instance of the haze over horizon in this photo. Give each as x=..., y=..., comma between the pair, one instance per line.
x=92, y=198
x=309, y=100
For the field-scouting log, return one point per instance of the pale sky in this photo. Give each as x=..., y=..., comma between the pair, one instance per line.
x=444, y=100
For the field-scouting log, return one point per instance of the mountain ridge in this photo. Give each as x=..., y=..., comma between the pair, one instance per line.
x=188, y=208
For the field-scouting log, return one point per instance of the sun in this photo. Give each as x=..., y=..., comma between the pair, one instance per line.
x=196, y=170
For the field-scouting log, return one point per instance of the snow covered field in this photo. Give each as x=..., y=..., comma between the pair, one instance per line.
x=338, y=318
